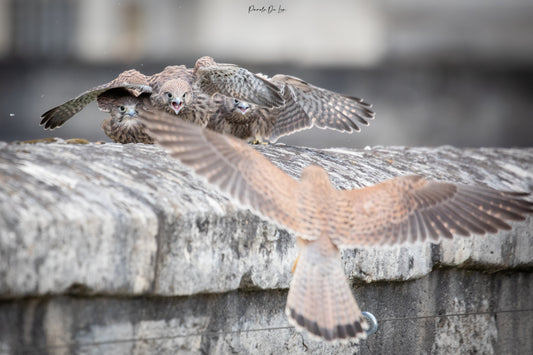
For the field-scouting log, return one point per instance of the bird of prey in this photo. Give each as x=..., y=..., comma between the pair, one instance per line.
x=209, y=93
x=269, y=107
x=302, y=106
x=135, y=82
x=405, y=209
x=233, y=81
x=195, y=97
x=173, y=90
x=123, y=126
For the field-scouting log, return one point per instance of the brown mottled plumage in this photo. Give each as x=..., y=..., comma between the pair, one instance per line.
x=173, y=90
x=195, y=96
x=233, y=81
x=321, y=108
x=135, y=82
x=238, y=119
x=123, y=126
x=256, y=123
x=268, y=107
x=171, y=72
x=403, y=209
x=173, y=96
x=296, y=105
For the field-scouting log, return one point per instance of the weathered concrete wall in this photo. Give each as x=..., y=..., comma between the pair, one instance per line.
x=119, y=249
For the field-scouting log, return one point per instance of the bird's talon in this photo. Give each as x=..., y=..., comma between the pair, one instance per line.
x=295, y=263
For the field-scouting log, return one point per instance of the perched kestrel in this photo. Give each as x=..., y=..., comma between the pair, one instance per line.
x=177, y=97
x=175, y=90
x=210, y=93
x=194, y=95
x=123, y=126
x=132, y=80
x=401, y=210
x=302, y=105
x=233, y=81
x=322, y=108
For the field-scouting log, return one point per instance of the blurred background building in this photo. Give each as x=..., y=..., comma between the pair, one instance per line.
x=437, y=72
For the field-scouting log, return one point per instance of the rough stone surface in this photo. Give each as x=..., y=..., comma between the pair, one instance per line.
x=120, y=249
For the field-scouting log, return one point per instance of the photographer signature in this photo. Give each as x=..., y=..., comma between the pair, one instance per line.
x=271, y=9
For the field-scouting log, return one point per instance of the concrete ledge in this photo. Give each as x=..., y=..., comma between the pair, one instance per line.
x=151, y=251
x=449, y=311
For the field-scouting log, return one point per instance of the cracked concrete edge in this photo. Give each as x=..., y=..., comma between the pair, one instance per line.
x=129, y=220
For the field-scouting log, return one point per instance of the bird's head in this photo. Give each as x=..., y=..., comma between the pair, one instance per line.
x=241, y=106
x=125, y=108
x=173, y=96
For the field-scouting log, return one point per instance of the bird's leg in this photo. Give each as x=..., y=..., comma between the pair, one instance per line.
x=301, y=243
x=295, y=263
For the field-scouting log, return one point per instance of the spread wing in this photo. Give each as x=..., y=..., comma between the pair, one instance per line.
x=229, y=164
x=287, y=119
x=411, y=208
x=114, y=97
x=324, y=108
x=130, y=80
x=237, y=82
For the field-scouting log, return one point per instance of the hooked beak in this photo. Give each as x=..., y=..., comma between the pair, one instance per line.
x=176, y=105
x=132, y=112
x=243, y=107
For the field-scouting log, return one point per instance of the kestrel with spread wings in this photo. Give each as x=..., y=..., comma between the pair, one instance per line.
x=268, y=107
x=196, y=98
x=170, y=90
x=302, y=105
x=132, y=83
x=401, y=210
x=135, y=82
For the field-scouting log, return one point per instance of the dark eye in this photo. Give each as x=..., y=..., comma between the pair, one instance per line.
x=122, y=108
x=183, y=95
x=235, y=101
x=169, y=95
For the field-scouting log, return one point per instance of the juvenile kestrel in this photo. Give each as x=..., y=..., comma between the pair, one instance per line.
x=123, y=126
x=233, y=81
x=175, y=90
x=400, y=210
x=251, y=122
x=195, y=97
x=322, y=108
x=259, y=124
x=132, y=80
x=302, y=105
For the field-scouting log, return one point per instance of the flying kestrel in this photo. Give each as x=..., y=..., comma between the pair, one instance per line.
x=123, y=126
x=401, y=210
x=135, y=82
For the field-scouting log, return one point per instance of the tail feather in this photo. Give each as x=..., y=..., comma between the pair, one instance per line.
x=320, y=300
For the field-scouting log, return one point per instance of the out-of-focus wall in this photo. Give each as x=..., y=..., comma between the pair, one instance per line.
x=311, y=32
x=437, y=72
x=5, y=24
x=306, y=32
